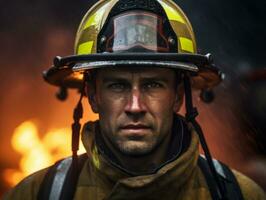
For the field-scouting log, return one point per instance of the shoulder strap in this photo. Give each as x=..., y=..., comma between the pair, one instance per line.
x=232, y=185
x=59, y=183
x=226, y=176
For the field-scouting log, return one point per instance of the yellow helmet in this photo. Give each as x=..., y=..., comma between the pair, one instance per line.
x=94, y=20
x=134, y=32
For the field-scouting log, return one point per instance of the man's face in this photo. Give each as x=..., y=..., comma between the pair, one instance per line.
x=135, y=107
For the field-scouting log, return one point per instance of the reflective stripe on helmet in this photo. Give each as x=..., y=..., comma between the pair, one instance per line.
x=85, y=48
x=171, y=13
x=186, y=44
x=96, y=17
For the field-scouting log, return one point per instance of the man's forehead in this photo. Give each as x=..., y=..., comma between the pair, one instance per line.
x=140, y=71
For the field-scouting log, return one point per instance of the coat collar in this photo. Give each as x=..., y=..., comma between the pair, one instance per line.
x=177, y=168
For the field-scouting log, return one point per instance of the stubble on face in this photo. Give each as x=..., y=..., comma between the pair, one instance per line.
x=135, y=108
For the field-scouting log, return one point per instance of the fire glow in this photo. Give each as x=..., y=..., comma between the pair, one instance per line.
x=37, y=153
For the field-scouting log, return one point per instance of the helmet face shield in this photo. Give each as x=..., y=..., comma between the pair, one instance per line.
x=135, y=31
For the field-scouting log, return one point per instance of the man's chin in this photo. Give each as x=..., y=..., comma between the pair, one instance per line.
x=135, y=148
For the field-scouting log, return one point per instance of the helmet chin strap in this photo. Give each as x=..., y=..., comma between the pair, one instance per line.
x=191, y=114
x=77, y=115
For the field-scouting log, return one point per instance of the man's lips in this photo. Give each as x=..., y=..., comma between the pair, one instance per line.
x=135, y=130
x=135, y=126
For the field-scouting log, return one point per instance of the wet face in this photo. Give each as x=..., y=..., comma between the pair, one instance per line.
x=135, y=107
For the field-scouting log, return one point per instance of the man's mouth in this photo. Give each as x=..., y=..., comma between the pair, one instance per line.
x=135, y=126
x=135, y=129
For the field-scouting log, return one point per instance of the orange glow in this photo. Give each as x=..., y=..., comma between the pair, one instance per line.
x=38, y=153
x=25, y=137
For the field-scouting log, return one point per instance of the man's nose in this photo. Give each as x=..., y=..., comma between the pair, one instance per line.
x=135, y=103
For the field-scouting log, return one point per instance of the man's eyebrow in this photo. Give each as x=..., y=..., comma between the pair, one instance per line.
x=156, y=78
x=145, y=79
x=114, y=79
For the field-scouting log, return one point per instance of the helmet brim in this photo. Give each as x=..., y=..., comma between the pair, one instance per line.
x=68, y=72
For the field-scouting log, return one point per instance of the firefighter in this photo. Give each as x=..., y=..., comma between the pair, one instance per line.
x=135, y=60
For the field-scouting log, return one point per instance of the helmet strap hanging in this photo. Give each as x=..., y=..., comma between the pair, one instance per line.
x=77, y=115
x=191, y=114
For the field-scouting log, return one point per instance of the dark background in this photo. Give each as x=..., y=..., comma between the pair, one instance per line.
x=33, y=32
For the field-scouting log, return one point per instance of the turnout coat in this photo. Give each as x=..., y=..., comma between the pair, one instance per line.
x=178, y=179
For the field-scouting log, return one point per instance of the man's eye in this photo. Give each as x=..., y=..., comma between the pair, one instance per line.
x=117, y=86
x=153, y=85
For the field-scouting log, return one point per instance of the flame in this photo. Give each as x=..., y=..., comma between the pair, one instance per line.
x=37, y=153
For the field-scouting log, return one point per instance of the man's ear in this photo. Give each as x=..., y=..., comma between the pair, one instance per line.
x=179, y=98
x=91, y=94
